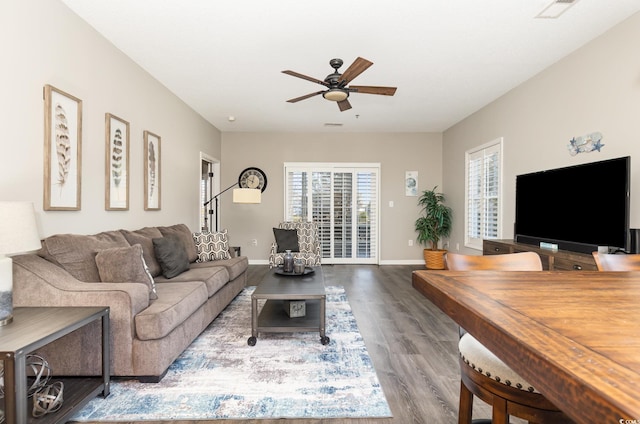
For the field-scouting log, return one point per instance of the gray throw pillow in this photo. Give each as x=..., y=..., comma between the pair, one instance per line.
x=171, y=256
x=286, y=240
x=125, y=265
x=182, y=233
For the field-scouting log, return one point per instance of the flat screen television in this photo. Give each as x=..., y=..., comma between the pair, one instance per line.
x=577, y=208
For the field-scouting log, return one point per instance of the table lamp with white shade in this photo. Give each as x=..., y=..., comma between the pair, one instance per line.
x=18, y=234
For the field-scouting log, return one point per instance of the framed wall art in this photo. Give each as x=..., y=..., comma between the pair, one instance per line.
x=62, y=150
x=152, y=172
x=411, y=183
x=116, y=163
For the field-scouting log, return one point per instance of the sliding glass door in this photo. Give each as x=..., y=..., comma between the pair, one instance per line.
x=343, y=200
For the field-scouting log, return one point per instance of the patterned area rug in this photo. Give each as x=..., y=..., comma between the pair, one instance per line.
x=285, y=375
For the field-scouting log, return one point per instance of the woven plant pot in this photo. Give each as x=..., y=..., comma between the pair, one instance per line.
x=434, y=259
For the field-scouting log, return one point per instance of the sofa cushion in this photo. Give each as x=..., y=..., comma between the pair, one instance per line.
x=171, y=256
x=214, y=277
x=182, y=233
x=286, y=240
x=144, y=237
x=75, y=253
x=212, y=246
x=176, y=302
x=235, y=266
x=125, y=265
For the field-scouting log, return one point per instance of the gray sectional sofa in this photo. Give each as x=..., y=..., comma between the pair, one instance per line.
x=153, y=318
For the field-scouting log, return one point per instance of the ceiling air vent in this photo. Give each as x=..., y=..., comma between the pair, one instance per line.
x=555, y=9
x=332, y=124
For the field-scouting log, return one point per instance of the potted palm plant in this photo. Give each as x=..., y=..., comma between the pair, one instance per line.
x=434, y=224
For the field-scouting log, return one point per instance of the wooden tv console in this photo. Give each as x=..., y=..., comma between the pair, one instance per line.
x=553, y=260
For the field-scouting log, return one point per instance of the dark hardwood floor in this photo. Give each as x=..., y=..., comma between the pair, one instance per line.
x=413, y=346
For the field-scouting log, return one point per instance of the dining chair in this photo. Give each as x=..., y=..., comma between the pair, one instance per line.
x=606, y=262
x=483, y=374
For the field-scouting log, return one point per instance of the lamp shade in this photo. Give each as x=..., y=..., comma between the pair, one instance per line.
x=18, y=228
x=247, y=195
x=18, y=234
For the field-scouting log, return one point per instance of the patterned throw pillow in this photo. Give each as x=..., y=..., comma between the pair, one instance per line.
x=212, y=246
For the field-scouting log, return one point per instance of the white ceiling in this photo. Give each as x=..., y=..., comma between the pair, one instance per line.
x=448, y=58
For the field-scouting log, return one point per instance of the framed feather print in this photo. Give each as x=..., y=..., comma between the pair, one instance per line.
x=62, y=150
x=116, y=163
x=152, y=172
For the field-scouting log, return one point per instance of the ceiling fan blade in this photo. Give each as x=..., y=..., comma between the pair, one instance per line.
x=367, y=89
x=344, y=105
x=304, y=77
x=306, y=96
x=357, y=67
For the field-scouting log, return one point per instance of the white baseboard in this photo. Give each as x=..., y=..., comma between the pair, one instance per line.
x=403, y=262
x=387, y=262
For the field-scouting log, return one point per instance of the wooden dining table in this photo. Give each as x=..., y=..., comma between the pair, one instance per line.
x=575, y=336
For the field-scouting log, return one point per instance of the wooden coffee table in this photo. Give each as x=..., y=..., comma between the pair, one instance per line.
x=275, y=289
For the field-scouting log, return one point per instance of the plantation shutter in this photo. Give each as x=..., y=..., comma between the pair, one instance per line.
x=343, y=201
x=343, y=214
x=298, y=208
x=367, y=211
x=483, y=194
x=321, y=213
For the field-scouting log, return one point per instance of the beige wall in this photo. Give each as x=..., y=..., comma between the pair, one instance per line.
x=597, y=88
x=396, y=153
x=43, y=42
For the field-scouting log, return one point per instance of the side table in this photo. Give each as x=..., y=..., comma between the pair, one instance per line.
x=32, y=328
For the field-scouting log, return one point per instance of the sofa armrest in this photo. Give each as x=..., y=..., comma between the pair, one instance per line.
x=38, y=282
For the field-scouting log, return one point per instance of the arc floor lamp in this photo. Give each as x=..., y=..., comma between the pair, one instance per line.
x=240, y=195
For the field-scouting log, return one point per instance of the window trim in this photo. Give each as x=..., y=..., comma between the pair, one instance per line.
x=476, y=243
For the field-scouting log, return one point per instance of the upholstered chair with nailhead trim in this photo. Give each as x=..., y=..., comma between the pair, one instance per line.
x=483, y=374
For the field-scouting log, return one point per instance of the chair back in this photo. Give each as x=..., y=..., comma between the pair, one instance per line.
x=606, y=262
x=522, y=261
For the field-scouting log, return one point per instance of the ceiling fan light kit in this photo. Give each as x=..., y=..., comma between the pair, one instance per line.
x=335, y=95
x=336, y=83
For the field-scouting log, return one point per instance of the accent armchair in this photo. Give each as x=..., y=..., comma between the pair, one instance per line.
x=308, y=242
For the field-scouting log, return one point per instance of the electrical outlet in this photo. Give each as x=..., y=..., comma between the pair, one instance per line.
x=254, y=242
x=410, y=242
x=458, y=246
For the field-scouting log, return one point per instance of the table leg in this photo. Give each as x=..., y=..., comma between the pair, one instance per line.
x=323, y=338
x=15, y=388
x=106, y=352
x=254, y=322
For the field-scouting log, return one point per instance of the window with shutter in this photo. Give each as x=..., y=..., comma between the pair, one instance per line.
x=343, y=201
x=483, y=194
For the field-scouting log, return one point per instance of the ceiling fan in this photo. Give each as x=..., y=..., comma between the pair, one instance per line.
x=336, y=83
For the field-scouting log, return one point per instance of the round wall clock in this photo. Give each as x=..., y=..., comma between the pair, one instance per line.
x=253, y=178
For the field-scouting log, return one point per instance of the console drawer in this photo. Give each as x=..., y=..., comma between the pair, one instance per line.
x=494, y=248
x=573, y=264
